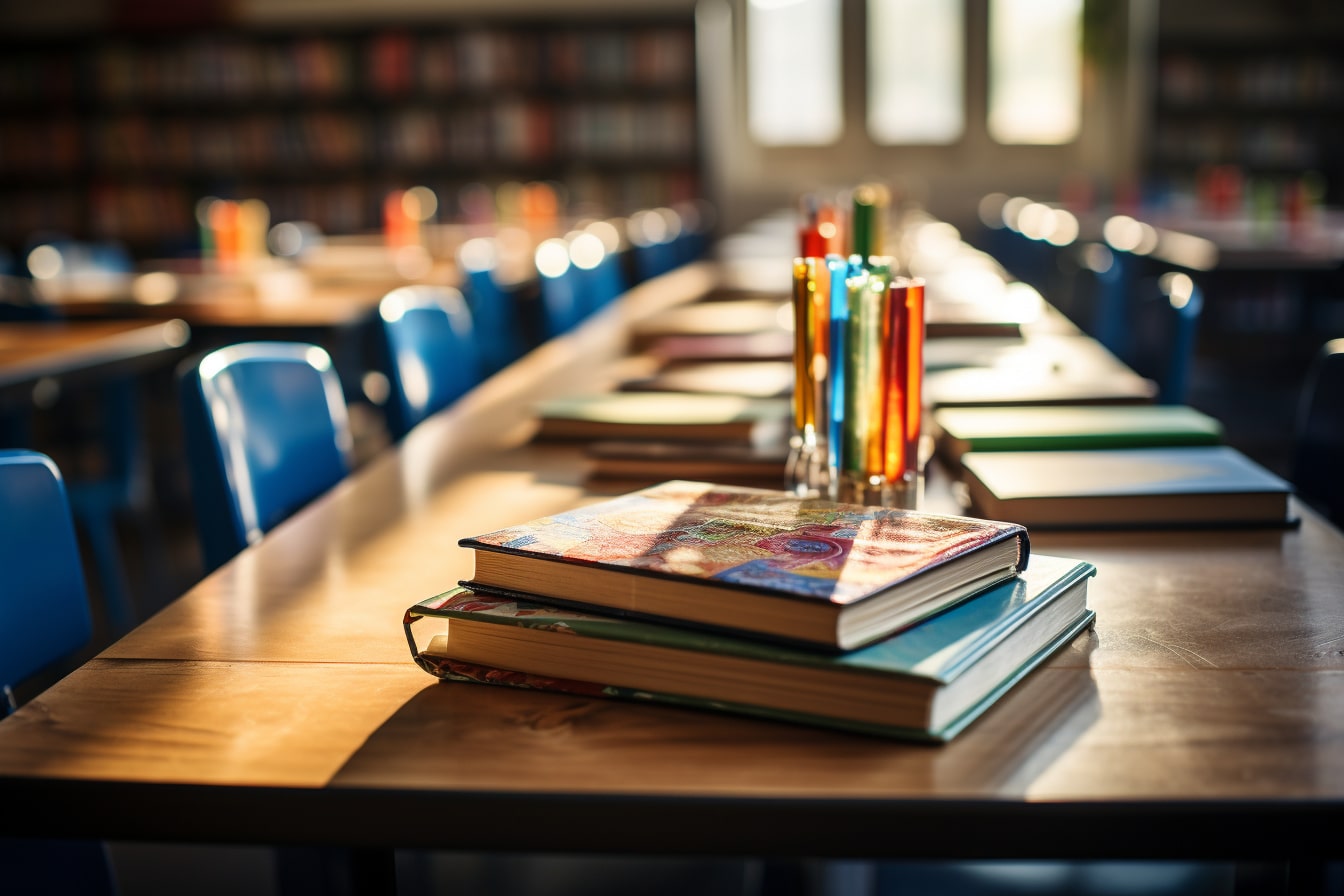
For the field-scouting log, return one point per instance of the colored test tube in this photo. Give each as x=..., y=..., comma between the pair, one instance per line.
x=865, y=359
x=811, y=306
x=841, y=270
x=905, y=376
x=867, y=230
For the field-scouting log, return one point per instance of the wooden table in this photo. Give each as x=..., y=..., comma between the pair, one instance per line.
x=236, y=304
x=276, y=702
x=31, y=350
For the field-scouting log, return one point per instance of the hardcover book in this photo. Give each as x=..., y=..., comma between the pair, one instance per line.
x=1040, y=371
x=754, y=379
x=665, y=416
x=691, y=348
x=758, y=562
x=732, y=316
x=971, y=319
x=927, y=682
x=1070, y=427
x=1180, y=486
x=649, y=462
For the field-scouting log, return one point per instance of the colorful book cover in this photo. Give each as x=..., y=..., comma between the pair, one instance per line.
x=973, y=652
x=749, y=541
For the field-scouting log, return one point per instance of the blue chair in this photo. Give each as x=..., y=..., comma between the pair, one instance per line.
x=431, y=354
x=120, y=489
x=608, y=281
x=563, y=306
x=1147, y=315
x=44, y=605
x=45, y=621
x=495, y=313
x=652, y=244
x=266, y=430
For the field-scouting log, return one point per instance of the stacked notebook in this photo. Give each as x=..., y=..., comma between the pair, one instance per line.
x=1151, y=466
x=889, y=622
x=644, y=437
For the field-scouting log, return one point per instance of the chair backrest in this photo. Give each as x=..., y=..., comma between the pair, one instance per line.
x=432, y=356
x=44, y=619
x=1165, y=327
x=495, y=312
x=1145, y=313
x=1318, y=451
x=563, y=303
x=602, y=283
x=44, y=603
x=266, y=430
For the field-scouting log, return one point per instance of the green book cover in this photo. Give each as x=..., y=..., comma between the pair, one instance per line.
x=927, y=682
x=962, y=429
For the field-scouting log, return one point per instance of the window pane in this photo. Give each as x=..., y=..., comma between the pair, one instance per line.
x=915, y=65
x=793, y=72
x=1035, y=65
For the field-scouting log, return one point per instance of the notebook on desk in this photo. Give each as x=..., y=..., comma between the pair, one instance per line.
x=723, y=316
x=647, y=462
x=958, y=430
x=754, y=379
x=1189, y=486
x=767, y=345
x=665, y=417
x=1044, y=370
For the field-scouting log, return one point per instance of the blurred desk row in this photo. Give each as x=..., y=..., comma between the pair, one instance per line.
x=90, y=342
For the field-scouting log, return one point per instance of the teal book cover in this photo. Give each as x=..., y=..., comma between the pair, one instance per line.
x=926, y=682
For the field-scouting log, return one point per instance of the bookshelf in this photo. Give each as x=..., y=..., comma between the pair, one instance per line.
x=1252, y=85
x=1245, y=141
x=117, y=135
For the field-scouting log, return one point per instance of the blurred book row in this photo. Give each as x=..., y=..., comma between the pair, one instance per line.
x=385, y=62
x=475, y=134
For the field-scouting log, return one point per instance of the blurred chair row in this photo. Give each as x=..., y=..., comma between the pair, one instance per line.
x=432, y=345
x=1110, y=284
x=569, y=278
x=266, y=424
x=1147, y=312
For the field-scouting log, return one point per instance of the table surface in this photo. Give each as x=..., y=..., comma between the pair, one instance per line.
x=30, y=350
x=277, y=699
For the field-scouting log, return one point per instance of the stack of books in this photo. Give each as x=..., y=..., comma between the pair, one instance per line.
x=1097, y=467
x=889, y=622
x=645, y=437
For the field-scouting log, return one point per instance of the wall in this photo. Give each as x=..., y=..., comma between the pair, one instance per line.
x=949, y=179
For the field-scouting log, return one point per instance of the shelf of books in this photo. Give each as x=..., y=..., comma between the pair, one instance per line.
x=132, y=129
x=1264, y=94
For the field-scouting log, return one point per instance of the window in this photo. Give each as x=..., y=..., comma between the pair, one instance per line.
x=1035, y=70
x=793, y=72
x=916, y=57
x=916, y=70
